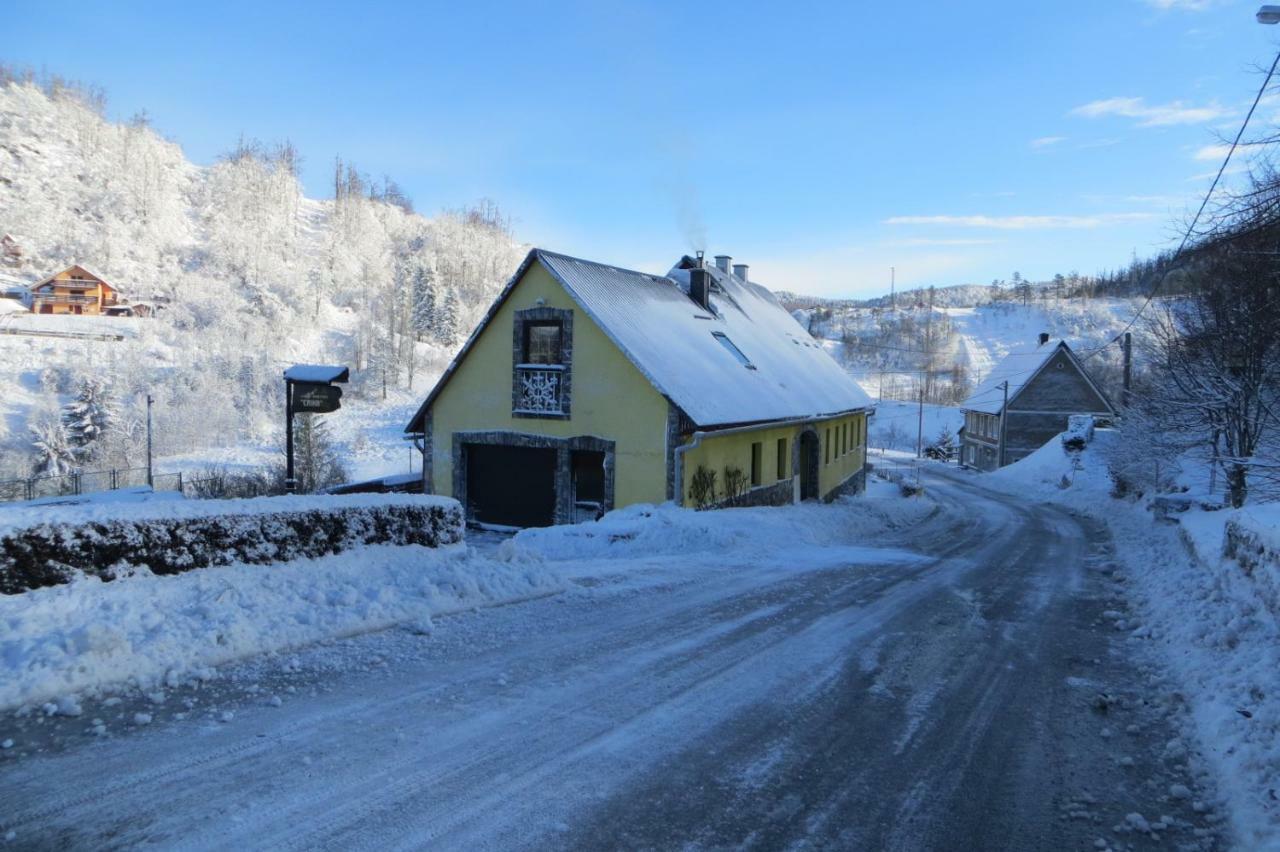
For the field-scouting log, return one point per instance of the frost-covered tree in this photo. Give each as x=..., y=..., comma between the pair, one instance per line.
x=54, y=453
x=446, y=326
x=316, y=461
x=88, y=418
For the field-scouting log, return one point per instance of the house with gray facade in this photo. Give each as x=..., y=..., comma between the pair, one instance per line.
x=1024, y=402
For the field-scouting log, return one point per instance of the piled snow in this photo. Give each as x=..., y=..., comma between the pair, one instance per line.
x=1206, y=619
x=838, y=530
x=145, y=630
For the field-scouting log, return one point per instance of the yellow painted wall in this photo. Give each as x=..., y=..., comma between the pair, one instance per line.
x=715, y=452
x=610, y=397
x=846, y=459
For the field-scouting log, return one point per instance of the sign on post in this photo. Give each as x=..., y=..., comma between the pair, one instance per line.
x=308, y=388
x=310, y=398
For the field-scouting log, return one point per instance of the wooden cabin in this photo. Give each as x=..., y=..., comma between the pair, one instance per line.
x=74, y=290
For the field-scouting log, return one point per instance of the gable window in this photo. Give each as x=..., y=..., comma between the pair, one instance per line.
x=733, y=350
x=542, y=342
x=757, y=453
x=542, y=363
x=782, y=458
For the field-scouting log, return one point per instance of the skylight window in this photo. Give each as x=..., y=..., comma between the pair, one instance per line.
x=733, y=350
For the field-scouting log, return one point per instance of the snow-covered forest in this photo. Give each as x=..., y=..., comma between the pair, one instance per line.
x=248, y=273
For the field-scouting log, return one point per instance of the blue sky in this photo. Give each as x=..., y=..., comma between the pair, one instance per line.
x=957, y=142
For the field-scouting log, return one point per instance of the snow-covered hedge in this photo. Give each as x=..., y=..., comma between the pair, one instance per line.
x=184, y=536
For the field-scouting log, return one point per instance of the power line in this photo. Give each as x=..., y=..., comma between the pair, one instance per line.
x=1155, y=288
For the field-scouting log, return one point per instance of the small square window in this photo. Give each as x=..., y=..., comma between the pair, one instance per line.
x=542, y=343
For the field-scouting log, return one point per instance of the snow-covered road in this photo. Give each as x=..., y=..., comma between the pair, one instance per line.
x=971, y=698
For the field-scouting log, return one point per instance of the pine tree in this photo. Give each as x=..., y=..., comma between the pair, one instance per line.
x=424, y=301
x=88, y=418
x=447, y=319
x=316, y=462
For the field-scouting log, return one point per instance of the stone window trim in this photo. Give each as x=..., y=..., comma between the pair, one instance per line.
x=564, y=448
x=542, y=315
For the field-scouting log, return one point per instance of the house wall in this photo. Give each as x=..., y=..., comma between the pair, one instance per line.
x=1040, y=410
x=611, y=398
x=842, y=470
x=1037, y=414
x=94, y=297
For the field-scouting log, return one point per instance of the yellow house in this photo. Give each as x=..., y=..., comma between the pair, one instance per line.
x=74, y=290
x=587, y=387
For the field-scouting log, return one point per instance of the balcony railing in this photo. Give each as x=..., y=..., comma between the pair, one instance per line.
x=60, y=299
x=539, y=389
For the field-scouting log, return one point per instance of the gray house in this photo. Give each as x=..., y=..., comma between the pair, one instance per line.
x=1045, y=387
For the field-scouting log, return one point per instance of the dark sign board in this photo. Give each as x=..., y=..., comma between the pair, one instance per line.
x=311, y=398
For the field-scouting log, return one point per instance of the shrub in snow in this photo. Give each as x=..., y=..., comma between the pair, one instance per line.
x=702, y=488
x=53, y=553
x=735, y=483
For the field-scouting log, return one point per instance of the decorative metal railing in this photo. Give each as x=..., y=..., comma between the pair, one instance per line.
x=539, y=389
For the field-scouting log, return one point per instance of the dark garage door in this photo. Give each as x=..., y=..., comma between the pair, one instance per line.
x=512, y=486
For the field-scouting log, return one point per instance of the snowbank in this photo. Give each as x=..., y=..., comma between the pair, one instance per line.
x=842, y=529
x=147, y=630
x=1203, y=619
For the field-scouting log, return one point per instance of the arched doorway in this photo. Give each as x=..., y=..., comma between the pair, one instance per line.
x=808, y=465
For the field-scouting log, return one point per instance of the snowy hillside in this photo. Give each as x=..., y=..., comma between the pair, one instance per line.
x=893, y=352
x=250, y=275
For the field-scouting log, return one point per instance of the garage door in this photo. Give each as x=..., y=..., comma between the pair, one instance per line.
x=511, y=486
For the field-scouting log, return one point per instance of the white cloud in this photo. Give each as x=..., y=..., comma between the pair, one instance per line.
x=1046, y=141
x=1213, y=152
x=1150, y=115
x=1184, y=5
x=943, y=241
x=1022, y=223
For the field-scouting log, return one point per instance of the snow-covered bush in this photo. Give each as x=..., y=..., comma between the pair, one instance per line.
x=250, y=531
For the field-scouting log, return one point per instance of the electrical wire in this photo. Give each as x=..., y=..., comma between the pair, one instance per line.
x=1186, y=238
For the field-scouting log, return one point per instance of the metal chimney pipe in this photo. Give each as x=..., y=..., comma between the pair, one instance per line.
x=740, y=270
x=722, y=262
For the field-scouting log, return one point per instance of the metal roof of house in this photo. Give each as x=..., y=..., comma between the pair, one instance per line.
x=678, y=345
x=1019, y=368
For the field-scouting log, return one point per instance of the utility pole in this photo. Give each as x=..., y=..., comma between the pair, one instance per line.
x=1004, y=410
x=928, y=345
x=920, y=427
x=150, y=478
x=1128, y=367
x=290, y=484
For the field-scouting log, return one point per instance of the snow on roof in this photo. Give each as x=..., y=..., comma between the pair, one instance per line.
x=82, y=268
x=680, y=348
x=1017, y=368
x=316, y=373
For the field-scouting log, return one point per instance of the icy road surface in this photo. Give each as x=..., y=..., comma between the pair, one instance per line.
x=976, y=697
